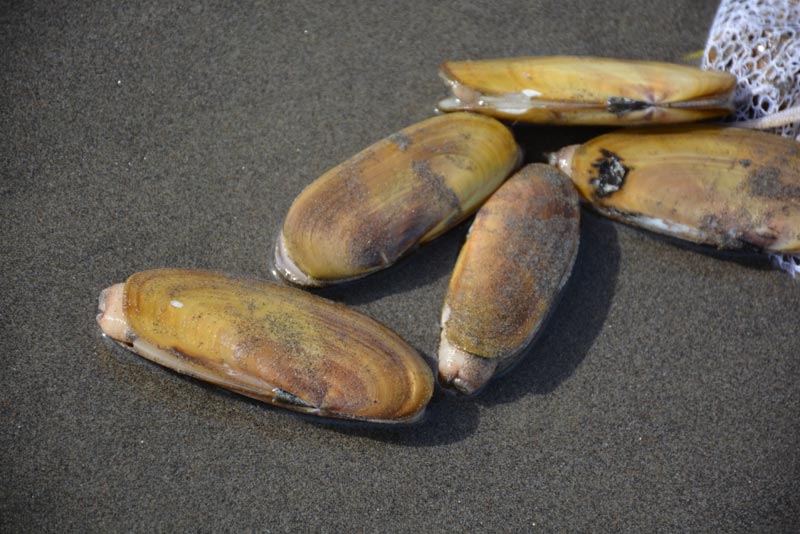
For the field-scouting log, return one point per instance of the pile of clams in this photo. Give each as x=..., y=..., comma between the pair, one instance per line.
x=709, y=184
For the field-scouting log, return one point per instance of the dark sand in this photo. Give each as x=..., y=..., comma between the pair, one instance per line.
x=663, y=396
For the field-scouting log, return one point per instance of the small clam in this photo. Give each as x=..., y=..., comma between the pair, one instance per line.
x=587, y=90
x=274, y=343
x=517, y=257
x=727, y=187
x=405, y=190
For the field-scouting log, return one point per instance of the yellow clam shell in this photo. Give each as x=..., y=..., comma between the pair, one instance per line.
x=727, y=187
x=517, y=257
x=403, y=191
x=587, y=90
x=274, y=343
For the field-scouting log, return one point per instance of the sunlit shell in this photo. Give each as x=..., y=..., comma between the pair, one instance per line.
x=727, y=187
x=587, y=90
x=403, y=191
x=518, y=256
x=270, y=342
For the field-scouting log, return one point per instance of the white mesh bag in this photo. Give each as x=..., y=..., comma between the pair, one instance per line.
x=758, y=41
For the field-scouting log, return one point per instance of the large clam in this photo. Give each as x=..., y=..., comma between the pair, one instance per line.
x=517, y=257
x=405, y=190
x=587, y=90
x=270, y=342
x=727, y=187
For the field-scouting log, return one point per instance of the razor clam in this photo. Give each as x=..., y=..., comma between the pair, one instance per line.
x=727, y=187
x=517, y=257
x=587, y=90
x=403, y=191
x=271, y=342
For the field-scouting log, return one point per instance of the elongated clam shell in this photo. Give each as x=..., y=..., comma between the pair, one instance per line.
x=517, y=257
x=274, y=343
x=587, y=90
x=727, y=187
x=405, y=190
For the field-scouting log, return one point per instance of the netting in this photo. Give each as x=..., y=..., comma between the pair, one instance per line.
x=758, y=41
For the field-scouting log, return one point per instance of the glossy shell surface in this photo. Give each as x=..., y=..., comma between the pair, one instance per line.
x=586, y=90
x=727, y=187
x=400, y=192
x=517, y=257
x=274, y=343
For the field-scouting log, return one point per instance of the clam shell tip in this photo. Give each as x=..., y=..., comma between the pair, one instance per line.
x=562, y=159
x=287, y=270
x=462, y=372
x=111, y=316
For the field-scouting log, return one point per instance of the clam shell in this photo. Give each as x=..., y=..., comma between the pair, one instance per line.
x=517, y=257
x=274, y=343
x=727, y=187
x=403, y=191
x=587, y=90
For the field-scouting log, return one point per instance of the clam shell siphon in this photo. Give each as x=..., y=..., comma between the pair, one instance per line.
x=517, y=257
x=274, y=343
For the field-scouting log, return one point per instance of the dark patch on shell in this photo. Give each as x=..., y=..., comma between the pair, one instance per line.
x=715, y=227
x=745, y=162
x=284, y=397
x=437, y=184
x=621, y=106
x=710, y=223
x=762, y=238
x=401, y=140
x=391, y=236
x=388, y=241
x=610, y=174
x=766, y=182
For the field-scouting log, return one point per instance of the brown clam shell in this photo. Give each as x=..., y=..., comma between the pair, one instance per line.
x=727, y=187
x=403, y=191
x=587, y=90
x=273, y=343
x=517, y=257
